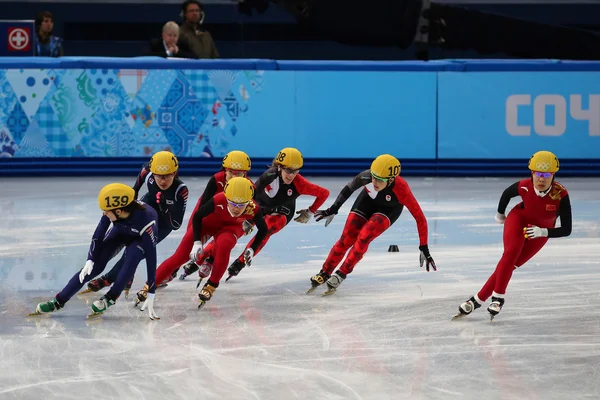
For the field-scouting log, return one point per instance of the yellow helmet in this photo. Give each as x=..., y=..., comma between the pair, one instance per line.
x=237, y=160
x=163, y=163
x=239, y=190
x=290, y=158
x=115, y=195
x=385, y=167
x=544, y=161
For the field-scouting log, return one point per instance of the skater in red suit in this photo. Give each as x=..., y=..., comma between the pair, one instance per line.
x=376, y=208
x=526, y=228
x=222, y=219
x=276, y=192
x=235, y=164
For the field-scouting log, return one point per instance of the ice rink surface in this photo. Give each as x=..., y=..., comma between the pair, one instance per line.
x=386, y=333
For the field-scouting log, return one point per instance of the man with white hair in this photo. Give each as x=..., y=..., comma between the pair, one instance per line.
x=169, y=44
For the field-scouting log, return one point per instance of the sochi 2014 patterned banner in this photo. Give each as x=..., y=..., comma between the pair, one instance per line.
x=208, y=112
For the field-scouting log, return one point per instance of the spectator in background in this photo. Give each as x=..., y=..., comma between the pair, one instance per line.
x=46, y=45
x=200, y=41
x=169, y=45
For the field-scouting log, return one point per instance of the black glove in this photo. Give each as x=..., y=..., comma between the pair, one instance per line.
x=161, y=200
x=426, y=257
x=327, y=215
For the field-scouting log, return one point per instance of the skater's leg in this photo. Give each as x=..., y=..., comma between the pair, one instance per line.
x=376, y=225
x=352, y=228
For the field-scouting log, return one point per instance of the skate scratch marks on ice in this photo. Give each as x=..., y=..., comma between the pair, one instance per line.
x=326, y=342
x=271, y=367
x=206, y=360
x=176, y=325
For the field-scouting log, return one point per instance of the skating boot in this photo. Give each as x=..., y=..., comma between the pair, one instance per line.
x=334, y=282
x=205, y=270
x=318, y=280
x=206, y=293
x=142, y=295
x=467, y=307
x=188, y=268
x=165, y=283
x=96, y=284
x=235, y=268
x=101, y=305
x=47, y=307
x=495, y=307
x=127, y=289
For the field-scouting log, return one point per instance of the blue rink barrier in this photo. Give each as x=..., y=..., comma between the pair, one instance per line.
x=106, y=116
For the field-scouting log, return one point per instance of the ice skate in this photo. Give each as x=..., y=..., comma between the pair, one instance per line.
x=99, y=306
x=235, y=268
x=495, y=307
x=188, y=268
x=141, y=296
x=317, y=280
x=333, y=283
x=206, y=294
x=205, y=270
x=95, y=285
x=127, y=289
x=164, y=284
x=47, y=307
x=467, y=308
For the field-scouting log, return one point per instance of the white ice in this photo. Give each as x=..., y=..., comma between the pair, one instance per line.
x=386, y=333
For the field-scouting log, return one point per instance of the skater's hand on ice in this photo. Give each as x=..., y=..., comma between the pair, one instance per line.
x=534, y=232
x=248, y=256
x=86, y=270
x=196, y=251
x=500, y=218
x=247, y=227
x=149, y=303
x=304, y=216
x=327, y=215
x=425, y=257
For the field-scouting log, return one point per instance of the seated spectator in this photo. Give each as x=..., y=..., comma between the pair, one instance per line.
x=169, y=44
x=200, y=40
x=46, y=45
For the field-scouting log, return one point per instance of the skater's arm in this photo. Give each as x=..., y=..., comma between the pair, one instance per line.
x=202, y=212
x=309, y=188
x=98, y=237
x=357, y=182
x=149, y=234
x=261, y=233
x=406, y=197
x=566, y=219
x=141, y=179
x=209, y=191
x=177, y=210
x=509, y=193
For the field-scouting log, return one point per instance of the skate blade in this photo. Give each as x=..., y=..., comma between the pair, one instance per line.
x=162, y=285
x=86, y=291
x=199, y=283
x=312, y=289
x=127, y=295
x=182, y=277
x=458, y=316
x=94, y=315
x=229, y=277
x=34, y=314
x=328, y=292
x=202, y=303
